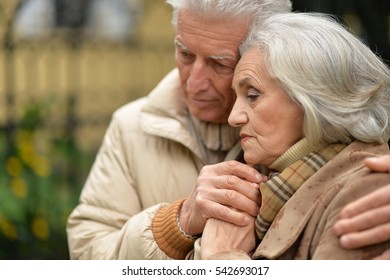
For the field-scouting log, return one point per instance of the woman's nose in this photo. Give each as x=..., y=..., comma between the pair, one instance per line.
x=237, y=116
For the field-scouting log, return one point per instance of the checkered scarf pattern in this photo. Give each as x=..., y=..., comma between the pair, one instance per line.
x=281, y=187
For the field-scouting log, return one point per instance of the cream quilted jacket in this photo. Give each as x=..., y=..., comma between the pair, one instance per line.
x=148, y=159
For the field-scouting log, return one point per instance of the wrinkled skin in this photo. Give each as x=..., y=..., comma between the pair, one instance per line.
x=220, y=189
x=206, y=56
x=219, y=236
x=367, y=220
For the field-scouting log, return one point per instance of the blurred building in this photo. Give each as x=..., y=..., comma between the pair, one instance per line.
x=65, y=66
x=82, y=59
x=105, y=19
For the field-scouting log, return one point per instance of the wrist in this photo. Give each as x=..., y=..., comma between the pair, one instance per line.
x=167, y=234
x=183, y=231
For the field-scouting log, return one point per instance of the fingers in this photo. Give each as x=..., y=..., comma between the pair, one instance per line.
x=229, y=191
x=236, y=200
x=371, y=201
x=369, y=219
x=219, y=189
x=378, y=164
x=217, y=203
x=230, y=215
x=372, y=236
x=195, y=213
x=234, y=176
x=234, y=168
x=226, y=186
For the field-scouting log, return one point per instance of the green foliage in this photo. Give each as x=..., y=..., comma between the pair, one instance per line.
x=40, y=182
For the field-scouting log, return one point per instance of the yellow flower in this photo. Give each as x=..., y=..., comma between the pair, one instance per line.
x=14, y=166
x=40, y=228
x=41, y=166
x=27, y=150
x=8, y=229
x=19, y=187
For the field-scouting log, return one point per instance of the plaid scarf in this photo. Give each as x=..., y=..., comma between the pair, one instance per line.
x=281, y=187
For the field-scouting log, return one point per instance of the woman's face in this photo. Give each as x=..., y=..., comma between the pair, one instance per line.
x=270, y=121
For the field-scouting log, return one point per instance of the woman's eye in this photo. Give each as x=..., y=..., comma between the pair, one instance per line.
x=253, y=94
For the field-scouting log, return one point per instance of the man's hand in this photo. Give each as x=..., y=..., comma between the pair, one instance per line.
x=222, y=237
x=367, y=220
x=220, y=189
x=378, y=164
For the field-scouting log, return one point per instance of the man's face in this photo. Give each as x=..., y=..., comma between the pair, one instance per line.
x=206, y=55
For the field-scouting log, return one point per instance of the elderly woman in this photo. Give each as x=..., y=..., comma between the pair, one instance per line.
x=313, y=102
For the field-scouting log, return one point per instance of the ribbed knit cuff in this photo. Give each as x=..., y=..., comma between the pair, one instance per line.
x=167, y=234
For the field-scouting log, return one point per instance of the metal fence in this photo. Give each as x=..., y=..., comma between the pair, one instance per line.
x=58, y=91
x=79, y=81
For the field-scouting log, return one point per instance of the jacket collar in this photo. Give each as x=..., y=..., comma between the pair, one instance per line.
x=293, y=217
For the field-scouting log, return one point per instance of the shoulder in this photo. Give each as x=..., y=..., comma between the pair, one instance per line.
x=348, y=177
x=345, y=177
x=360, y=183
x=130, y=111
x=126, y=118
x=129, y=114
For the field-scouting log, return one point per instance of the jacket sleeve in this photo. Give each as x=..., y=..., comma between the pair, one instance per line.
x=327, y=242
x=105, y=225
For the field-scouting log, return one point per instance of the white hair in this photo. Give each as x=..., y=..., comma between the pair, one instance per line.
x=252, y=9
x=342, y=86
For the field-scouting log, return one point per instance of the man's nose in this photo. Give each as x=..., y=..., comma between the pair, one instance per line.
x=199, y=78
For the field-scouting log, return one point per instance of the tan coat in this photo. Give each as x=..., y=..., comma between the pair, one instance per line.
x=148, y=159
x=303, y=227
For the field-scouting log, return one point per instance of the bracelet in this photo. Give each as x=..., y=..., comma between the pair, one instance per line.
x=183, y=232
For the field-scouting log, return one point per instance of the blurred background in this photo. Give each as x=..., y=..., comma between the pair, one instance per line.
x=65, y=66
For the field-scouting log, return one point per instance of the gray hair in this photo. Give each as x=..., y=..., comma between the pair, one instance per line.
x=255, y=9
x=342, y=86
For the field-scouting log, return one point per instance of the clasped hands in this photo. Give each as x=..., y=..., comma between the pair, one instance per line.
x=226, y=200
x=223, y=206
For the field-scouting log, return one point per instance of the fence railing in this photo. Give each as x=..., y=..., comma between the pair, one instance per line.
x=96, y=77
x=57, y=95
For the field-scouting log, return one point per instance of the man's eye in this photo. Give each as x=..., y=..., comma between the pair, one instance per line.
x=222, y=68
x=186, y=55
x=219, y=65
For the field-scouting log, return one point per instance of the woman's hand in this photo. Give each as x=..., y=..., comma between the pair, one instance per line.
x=224, y=239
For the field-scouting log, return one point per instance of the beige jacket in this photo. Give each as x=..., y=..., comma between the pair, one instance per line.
x=148, y=159
x=303, y=227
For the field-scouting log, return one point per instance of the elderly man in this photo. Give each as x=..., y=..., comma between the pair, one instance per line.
x=156, y=147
